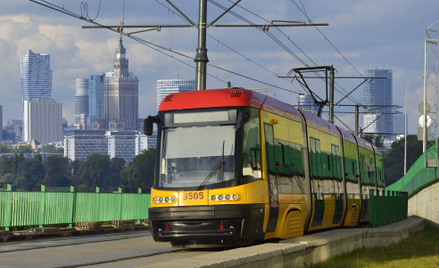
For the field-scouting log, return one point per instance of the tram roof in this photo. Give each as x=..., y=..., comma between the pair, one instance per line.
x=227, y=98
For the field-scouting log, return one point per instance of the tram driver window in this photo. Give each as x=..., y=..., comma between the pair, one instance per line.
x=251, y=162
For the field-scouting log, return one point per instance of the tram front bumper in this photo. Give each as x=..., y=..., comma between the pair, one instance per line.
x=221, y=222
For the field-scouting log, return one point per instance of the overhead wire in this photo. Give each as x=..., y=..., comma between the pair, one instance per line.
x=341, y=54
x=151, y=45
x=295, y=55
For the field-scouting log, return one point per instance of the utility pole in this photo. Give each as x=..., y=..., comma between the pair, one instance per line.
x=357, y=107
x=331, y=96
x=201, y=56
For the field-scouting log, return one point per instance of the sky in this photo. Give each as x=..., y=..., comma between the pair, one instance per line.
x=361, y=35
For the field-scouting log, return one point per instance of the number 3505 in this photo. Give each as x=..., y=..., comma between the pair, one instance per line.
x=191, y=195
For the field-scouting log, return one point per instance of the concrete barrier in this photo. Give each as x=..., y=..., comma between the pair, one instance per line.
x=425, y=204
x=304, y=250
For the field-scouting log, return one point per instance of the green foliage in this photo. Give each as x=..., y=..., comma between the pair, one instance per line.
x=394, y=159
x=420, y=249
x=57, y=170
x=49, y=148
x=117, y=165
x=4, y=148
x=96, y=171
x=23, y=149
x=30, y=172
x=140, y=172
x=375, y=140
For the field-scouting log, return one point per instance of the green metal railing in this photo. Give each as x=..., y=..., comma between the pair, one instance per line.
x=387, y=206
x=48, y=208
x=417, y=178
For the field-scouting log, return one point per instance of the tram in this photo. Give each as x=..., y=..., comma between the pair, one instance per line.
x=235, y=166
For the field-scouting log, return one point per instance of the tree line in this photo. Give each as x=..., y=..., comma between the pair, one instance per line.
x=27, y=174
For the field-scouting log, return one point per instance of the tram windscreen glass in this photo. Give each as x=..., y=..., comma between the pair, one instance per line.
x=190, y=154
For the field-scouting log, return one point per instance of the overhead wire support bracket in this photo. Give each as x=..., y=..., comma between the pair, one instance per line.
x=215, y=20
x=270, y=25
x=181, y=13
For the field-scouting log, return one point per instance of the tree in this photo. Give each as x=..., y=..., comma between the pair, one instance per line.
x=57, y=171
x=140, y=172
x=23, y=149
x=4, y=148
x=129, y=178
x=145, y=163
x=30, y=172
x=96, y=171
x=50, y=148
x=117, y=165
x=75, y=171
x=394, y=159
x=375, y=140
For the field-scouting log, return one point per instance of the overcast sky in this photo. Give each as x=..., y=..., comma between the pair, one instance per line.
x=385, y=34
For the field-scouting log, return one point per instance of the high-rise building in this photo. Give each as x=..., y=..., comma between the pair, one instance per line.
x=14, y=129
x=306, y=103
x=96, y=98
x=169, y=86
x=36, y=83
x=84, y=143
x=141, y=143
x=398, y=123
x=380, y=92
x=44, y=120
x=81, y=101
x=122, y=144
x=121, y=94
x=36, y=76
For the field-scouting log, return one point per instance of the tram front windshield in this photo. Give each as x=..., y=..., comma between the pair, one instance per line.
x=198, y=149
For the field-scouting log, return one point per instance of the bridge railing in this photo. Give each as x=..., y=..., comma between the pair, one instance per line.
x=49, y=208
x=387, y=206
x=417, y=178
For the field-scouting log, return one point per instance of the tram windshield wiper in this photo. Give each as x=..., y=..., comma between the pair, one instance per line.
x=212, y=173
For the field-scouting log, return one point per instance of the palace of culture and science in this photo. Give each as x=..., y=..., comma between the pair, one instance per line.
x=121, y=97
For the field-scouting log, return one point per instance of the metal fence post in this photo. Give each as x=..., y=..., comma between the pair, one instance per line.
x=8, y=204
x=96, y=217
x=72, y=192
x=139, y=198
x=42, y=205
x=119, y=190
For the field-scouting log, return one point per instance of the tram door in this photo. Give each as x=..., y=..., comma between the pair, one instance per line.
x=272, y=177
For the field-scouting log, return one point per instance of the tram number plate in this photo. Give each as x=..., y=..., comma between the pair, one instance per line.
x=193, y=195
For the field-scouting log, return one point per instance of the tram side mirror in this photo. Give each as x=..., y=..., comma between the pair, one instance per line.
x=148, y=124
x=243, y=114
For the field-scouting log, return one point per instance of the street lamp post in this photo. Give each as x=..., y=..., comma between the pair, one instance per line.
x=405, y=125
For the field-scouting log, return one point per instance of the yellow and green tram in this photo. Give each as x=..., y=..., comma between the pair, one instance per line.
x=234, y=166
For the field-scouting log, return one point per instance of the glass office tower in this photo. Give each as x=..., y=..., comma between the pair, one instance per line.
x=96, y=98
x=380, y=92
x=81, y=99
x=36, y=76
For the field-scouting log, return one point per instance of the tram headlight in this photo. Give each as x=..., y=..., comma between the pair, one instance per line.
x=225, y=197
x=158, y=200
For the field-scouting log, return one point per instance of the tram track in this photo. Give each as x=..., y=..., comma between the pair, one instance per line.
x=120, y=259
x=63, y=245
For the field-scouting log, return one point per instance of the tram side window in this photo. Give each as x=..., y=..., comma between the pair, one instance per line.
x=335, y=153
x=251, y=162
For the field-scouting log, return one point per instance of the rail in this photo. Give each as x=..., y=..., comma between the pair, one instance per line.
x=50, y=208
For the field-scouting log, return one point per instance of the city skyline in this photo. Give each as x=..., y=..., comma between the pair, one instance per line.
x=368, y=36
